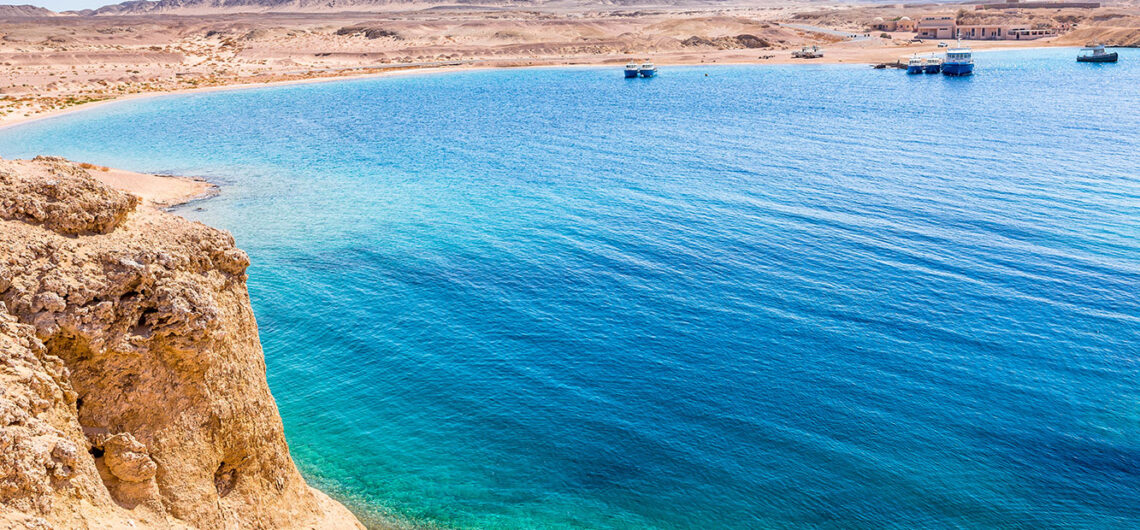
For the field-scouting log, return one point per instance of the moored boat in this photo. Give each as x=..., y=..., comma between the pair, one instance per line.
x=959, y=61
x=915, y=65
x=1095, y=53
x=933, y=65
x=631, y=70
x=647, y=69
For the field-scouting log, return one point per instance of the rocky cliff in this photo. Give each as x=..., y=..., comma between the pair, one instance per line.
x=132, y=382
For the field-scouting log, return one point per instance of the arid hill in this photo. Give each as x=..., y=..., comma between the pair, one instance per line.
x=7, y=11
x=206, y=7
x=209, y=7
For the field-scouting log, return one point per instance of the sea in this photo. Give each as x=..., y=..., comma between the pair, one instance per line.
x=801, y=296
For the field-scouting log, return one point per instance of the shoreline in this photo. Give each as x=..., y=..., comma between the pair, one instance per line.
x=23, y=120
x=781, y=60
x=167, y=192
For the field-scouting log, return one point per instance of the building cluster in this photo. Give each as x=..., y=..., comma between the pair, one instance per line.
x=899, y=24
x=1017, y=4
x=947, y=27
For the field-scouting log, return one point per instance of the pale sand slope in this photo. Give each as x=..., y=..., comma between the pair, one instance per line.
x=157, y=190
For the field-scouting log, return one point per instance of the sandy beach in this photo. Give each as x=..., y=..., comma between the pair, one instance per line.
x=156, y=191
x=162, y=191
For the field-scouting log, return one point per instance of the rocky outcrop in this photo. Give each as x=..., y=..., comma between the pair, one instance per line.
x=132, y=383
x=726, y=43
x=73, y=206
x=368, y=32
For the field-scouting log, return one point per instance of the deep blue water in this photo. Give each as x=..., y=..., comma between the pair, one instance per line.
x=786, y=297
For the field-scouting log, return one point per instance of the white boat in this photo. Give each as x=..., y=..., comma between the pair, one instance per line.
x=915, y=65
x=959, y=61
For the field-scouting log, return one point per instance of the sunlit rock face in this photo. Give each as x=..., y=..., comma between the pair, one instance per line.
x=132, y=385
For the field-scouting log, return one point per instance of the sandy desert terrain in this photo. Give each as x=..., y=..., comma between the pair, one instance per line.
x=51, y=62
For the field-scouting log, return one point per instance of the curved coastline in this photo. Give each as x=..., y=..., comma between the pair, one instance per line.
x=988, y=46
x=24, y=120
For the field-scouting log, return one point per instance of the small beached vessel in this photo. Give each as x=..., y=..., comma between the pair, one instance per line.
x=915, y=65
x=1095, y=53
x=933, y=65
x=647, y=69
x=959, y=61
x=631, y=70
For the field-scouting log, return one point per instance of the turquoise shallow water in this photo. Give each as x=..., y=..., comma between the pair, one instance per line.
x=772, y=297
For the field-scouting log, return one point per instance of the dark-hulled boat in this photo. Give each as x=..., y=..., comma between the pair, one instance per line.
x=1095, y=53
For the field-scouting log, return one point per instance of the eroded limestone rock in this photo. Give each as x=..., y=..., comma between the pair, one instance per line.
x=132, y=383
x=62, y=197
x=128, y=459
